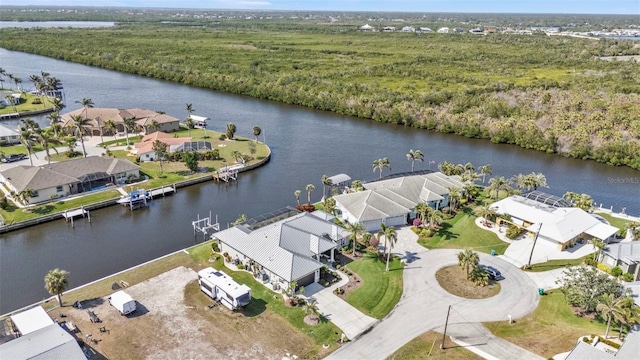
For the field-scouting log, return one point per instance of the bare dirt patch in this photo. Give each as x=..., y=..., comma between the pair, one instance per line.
x=454, y=280
x=173, y=321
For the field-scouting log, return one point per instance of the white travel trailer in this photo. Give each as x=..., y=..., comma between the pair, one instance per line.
x=123, y=302
x=221, y=287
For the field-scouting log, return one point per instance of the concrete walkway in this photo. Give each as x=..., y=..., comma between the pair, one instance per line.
x=350, y=320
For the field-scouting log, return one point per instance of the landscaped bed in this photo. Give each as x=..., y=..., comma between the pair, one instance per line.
x=454, y=280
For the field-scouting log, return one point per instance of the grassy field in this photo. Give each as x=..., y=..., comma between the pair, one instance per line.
x=380, y=290
x=557, y=264
x=27, y=103
x=614, y=221
x=461, y=232
x=427, y=346
x=551, y=329
x=265, y=304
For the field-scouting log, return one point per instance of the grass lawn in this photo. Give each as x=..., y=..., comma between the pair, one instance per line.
x=461, y=232
x=26, y=104
x=551, y=329
x=454, y=280
x=556, y=264
x=614, y=221
x=380, y=290
x=427, y=346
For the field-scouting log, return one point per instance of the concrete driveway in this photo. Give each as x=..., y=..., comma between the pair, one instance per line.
x=423, y=305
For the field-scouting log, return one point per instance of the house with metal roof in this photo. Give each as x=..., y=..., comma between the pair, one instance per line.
x=147, y=120
x=625, y=255
x=69, y=177
x=50, y=342
x=392, y=201
x=286, y=250
x=564, y=226
x=8, y=135
x=629, y=350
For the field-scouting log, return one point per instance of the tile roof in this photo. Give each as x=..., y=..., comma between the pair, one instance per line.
x=99, y=115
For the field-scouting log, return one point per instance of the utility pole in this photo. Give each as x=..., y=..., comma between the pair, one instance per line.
x=444, y=336
x=534, y=245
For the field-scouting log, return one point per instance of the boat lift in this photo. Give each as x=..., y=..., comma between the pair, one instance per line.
x=204, y=225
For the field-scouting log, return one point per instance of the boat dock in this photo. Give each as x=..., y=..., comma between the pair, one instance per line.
x=228, y=173
x=69, y=215
x=162, y=191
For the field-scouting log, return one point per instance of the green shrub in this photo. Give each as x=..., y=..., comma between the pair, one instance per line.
x=616, y=271
x=240, y=266
x=590, y=261
x=513, y=232
x=628, y=277
x=586, y=339
x=426, y=233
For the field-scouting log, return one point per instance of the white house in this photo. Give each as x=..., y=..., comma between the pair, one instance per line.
x=408, y=29
x=281, y=251
x=392, y=201
x=561, y=225
x=9, y=136
x=443, y=30
x=366, y=27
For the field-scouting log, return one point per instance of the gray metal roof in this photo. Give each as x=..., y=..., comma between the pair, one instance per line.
x=51, y=342
x=630, y=350
x=628, y=252
x=284, y=247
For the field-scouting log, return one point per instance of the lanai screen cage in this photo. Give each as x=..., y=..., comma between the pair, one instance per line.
x=542, y=197
x=94, y=180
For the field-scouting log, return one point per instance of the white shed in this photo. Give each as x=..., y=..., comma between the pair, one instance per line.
x=123, y=302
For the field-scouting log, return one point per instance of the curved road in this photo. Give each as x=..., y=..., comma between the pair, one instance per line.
x=424, y=304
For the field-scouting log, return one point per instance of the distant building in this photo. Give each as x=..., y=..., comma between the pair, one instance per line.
x=408, y=29
x=144, y=119
x=443, y=30
x=9, y=136
x=425, y=30
x=366, y=27
x=389, y=29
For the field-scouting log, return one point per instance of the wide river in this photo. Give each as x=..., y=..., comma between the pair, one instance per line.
x=306, y=144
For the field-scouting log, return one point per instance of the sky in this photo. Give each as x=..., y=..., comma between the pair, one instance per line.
x=628, y=7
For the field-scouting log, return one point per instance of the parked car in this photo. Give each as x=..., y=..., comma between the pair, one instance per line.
x=13, y=157
x=494, y=274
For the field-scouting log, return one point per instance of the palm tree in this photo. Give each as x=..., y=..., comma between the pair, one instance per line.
x=257, y=131
x=436, y=217
x=413, y=156
x=468, y=259
x=129, y=125
x=422, y=210
x=153, y=126
x=520, y=181
x=111, y=126
x=355, y=229
x=80, y=127
x=231, y=131
x=297, y=194
x=190, y=110
x=25, y=196
x=611, y=308
x=380, y=164
x=390, y=235
x=537, y=180
x=54, y=120
x=47, y=140
x=56, y=283
x=27, y=140
x=598, y=245
x=498, y=184
x=86, y=104
x=312, y=310
x=486, y=212
x=160, y=150
x=326, y=181
x=356, y=185
x=236, y=155
x=479, y=276
x=454, y=197
x=309, y=189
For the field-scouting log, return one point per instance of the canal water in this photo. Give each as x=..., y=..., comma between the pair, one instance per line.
x=306, y=144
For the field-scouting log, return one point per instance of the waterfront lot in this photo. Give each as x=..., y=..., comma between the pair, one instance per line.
x=173, y=321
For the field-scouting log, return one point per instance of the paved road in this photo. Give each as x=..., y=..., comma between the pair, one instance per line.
x=424, y=304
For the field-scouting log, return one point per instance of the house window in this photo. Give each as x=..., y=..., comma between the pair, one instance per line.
x=59, y=189
x=147, y=156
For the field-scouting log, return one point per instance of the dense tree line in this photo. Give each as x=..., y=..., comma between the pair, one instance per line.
x=546, y=93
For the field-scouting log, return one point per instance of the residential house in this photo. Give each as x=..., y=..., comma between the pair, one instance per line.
x=555, y=222
x=144, y=148
x=425, y=30
x=392, y=201
x=9, y=136
x=148, y=121
x=366, y=27
x=629, y=350
x=625, y=255
x=443, y=30
x=285, y=247
x=389, y=29
x=68, y=177
x=408, y=29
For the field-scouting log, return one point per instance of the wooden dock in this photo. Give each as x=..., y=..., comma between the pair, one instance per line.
x=162, y=191
x=69, y=215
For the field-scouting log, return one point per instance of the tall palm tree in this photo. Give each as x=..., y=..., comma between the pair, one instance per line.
x=48, y=140
x=538, y=180
x=391, y=236
x=129, y=125
x=598, y=245
x=454, y=197
x=309, y=189
x=520, y=181
x=414, y=156
x=190, y=110
x=231, y=131
x=436, y=217
x=28, y=141
x=257, y=131
x=54, y=120
x=497, y=184
x=326, y=181
x=111, y=126
x=468, y=259
x=297, y=194
x=611, y=308
x=86, y=104
x=422, y=210
x=486, y=212
x=80, y=126
x=380, y=164
x=56, y=283
x=355, y=230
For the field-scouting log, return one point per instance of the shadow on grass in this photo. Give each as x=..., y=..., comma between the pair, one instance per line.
x=43, y=210
x=92, y=303
x=445, y=232
x=255, y=308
